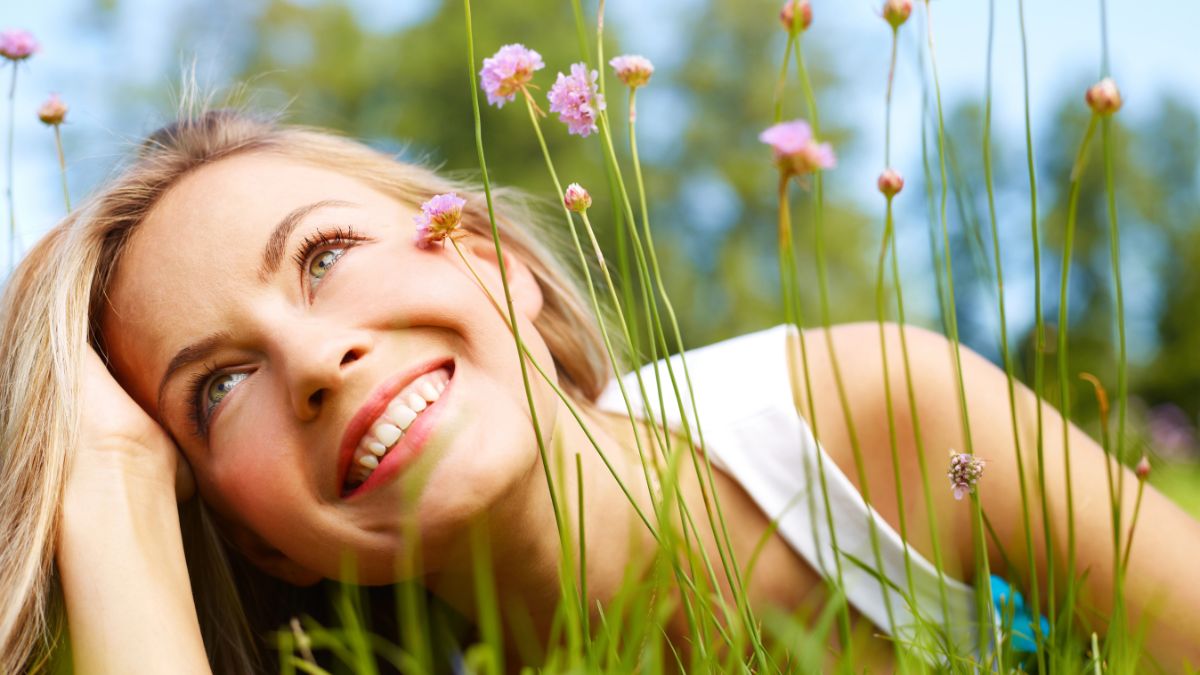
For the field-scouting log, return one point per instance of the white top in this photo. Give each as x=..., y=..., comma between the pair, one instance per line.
x=753, y=433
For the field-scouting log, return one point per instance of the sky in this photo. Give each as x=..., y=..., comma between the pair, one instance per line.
x=95, y=58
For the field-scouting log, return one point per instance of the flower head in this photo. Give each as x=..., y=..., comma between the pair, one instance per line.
x=896, y=12
x=964, y=473
x=576, y=198
x=52, y=111
x=507, y=72
x=796, y=151
x=890, y=182
x=791, y=10
x=439, y=218
x=1143, y=468
x=576, y=99
x=1103, y=97
x=17, y=45
x=632, y=69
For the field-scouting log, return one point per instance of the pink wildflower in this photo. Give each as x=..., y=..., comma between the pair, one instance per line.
x=52, y=111
x=896, y=12
x=796, y=151
x=507, y=72
x=792, y=9
x=965, y=471
x=439, y=218
x=1103, y=97
x=17, y=45
x=633, y=70
x=576, y=100
x=1143, y=468
x=576, y=198
x=890, y=182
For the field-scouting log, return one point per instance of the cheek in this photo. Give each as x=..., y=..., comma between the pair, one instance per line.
x=253, y=475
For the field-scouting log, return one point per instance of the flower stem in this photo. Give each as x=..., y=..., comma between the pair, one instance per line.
x=12, y=209
x=62, y=166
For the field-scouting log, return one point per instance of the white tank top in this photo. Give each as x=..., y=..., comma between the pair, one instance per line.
x=753, y=433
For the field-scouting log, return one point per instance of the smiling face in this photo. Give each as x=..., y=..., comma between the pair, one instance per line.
x=307, y=355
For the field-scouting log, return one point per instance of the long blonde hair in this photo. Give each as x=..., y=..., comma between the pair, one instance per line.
x=49, y=314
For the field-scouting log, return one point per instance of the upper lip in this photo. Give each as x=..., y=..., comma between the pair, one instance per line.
x=373, y=407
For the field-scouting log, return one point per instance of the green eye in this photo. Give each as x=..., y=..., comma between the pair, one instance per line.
x=219, y=387
x=323, y=262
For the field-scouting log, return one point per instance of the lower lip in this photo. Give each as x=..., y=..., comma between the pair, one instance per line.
x=408, y=449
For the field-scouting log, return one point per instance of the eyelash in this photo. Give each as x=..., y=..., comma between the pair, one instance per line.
x=198, y=383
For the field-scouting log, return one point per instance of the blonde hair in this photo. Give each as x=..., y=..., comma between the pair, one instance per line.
x=49, y=315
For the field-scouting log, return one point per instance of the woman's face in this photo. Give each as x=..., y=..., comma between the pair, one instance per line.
x=311, y=351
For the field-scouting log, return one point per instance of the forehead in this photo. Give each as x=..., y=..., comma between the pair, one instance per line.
x=199, y=251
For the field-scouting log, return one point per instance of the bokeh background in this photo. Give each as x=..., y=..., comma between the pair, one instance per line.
x=393, y=73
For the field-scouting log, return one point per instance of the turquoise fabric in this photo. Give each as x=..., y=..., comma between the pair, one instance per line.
x=1014, y=617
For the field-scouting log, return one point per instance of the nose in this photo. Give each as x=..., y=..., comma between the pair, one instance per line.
x=316, y=365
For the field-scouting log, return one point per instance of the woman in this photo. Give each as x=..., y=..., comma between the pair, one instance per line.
x=335, y=395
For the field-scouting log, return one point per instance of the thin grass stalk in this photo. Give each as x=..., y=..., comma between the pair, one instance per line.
x=488, y=609
x=12, y=209
x=62, y=166
x=411, y=607
x=1006, y=354
x=1137, y=508
x=822, y=284
x=1038, y=362
x=1063, y=364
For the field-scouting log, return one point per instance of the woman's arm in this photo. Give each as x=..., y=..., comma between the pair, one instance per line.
x=120, y=550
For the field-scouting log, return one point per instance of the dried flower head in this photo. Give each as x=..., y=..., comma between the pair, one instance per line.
x=17, y=45
x=1103, y=97
x=577, y=100
x=576, y=198
x=633, y=70
x=1143, y=468
x=791, y=10
x=439, y=218
x=890, y=182
x=896, y=12
x=52, y=111
x=796, y=151
x=507, y=72
x=964, y=473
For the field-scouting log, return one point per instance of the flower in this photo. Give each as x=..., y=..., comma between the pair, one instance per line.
x=52, y=111
x=507, y=72
x=796, y=151
x=964, y=473
x=576, y=99
x=632, y=69
x=1103, y=97
x=576, y=198
x=787, y=15
x=439, y=218
x=17, y=45
x=1143, y=468
x=890, y=183
x=896, y=12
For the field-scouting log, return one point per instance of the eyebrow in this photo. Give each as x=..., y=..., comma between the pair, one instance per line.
x=272, y=256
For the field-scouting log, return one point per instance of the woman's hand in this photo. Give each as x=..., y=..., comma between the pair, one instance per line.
x=116, y=435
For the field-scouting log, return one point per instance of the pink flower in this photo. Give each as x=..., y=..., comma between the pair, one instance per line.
x=965, y=471
x=890, y=182
x=17, y=45
x=439, y=218
x=1103, y=97
x=507, y=72
x=576, y=198
x=787, y=15
x=796, y=151
x=896, y=12
x=52, y=111
x=576, y=99
x=633, y=70
x=1143, y=468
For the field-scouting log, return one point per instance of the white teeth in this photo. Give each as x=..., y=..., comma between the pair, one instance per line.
x=387, y=434
x=369, y=461
x=400, y=414
x=377, y=448
x=414, y=401
x=428, y=390
x=440, y=385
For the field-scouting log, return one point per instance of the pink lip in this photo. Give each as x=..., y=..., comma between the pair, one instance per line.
x=376, y=403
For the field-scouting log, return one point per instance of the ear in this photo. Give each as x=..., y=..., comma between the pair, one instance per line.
x=526, y=291
x=270, y=559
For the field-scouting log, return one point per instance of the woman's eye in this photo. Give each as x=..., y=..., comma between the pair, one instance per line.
x=219, y=387
x=324, y=261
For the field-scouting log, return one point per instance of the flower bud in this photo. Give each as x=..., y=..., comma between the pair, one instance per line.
x=17, y=45
x=633, y=70
x=890, y=183
x=896, y=12
x=793, y=9
x=1103, y=97
x=576, y=198
x=1143, y=468
x=52, y=111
